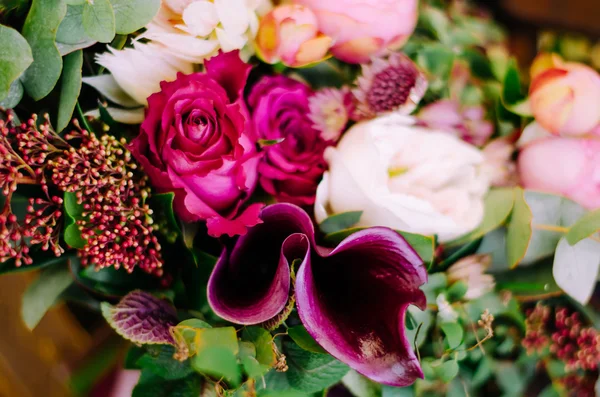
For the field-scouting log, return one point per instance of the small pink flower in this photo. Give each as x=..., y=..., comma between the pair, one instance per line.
x=566, y=166
x=362, y=29
x=564, y=96
x=394, y=84
x=289, y=34
x=329, y=111
x=499, y=163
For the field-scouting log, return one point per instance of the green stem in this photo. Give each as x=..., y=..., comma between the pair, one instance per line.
x=84, y=121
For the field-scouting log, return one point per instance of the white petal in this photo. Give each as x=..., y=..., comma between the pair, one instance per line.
x=189, y=48
x=233, y=15
x=126, y=116
x=230, y=42
x=322, y=199
x=201, y=18
x=107, y=86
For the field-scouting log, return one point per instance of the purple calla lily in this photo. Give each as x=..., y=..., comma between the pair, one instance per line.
x=351, y=299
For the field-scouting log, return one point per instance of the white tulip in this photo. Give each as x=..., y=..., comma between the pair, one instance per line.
x=405, y=177
x=135, y=74
x=194, y=30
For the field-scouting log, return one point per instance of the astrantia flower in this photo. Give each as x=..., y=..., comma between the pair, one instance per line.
x=135, y=74
x=194, y=30
x=330, y=111
x=388, y=85
x=351, y=299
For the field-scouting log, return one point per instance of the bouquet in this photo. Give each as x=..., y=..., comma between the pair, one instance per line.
x=305, y=198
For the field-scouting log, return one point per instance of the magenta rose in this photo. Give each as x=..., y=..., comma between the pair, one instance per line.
x=293, y=161
x=194, y=142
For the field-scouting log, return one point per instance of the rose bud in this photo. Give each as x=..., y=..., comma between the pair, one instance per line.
x=352, y=299
x=362, y=29
x=564, y=166
x=564, y=96
x=289, y=34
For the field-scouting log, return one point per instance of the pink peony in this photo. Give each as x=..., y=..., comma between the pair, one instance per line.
x=289, y=34
x=293, y=162
x=564, y=96
x=364, y=28
x=194, y=142
x=565, y=166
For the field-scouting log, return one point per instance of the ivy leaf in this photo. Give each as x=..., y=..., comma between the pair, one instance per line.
x=519, y=230
x=15, y=57
x=300, y=335
x=99, y=20
x=576, y=268
x=141, y=318
x=152, y=385
x=584, y=227
x=71, y=86
x=40, y=30
x=160, y=361
x=454, y=334
x=338, y=222
x=132, y=15
x=219, y=362
x=311, y=372
x=43, y=293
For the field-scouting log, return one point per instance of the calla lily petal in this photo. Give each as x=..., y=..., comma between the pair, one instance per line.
x=354, y=300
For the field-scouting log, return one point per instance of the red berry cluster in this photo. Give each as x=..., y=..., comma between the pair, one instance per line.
x=116, y=222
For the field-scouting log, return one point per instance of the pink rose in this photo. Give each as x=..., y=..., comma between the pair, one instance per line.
x=565, y=166
x=564, y=96
x=194, y=142
x=289, y=34
x=364, y=28
x=293, y=163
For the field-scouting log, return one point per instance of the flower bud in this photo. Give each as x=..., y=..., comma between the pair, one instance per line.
x=290, y=34
x=564, y=96
x=471, y=271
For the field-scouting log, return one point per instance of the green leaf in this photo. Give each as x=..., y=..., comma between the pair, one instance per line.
x=498, y=206
x=424, y=245
x=15, y=57
x=99, y=20
x=40, y=31
x=73, y=213
x=263, y=343
x=454, y=334
x=479, y=64
x=519, y=230
x=15, y=94
x=576, y=268
x=300, y=335
x=42, y=294
x=361, y=386
x=70, y=30
x=311, y=372
x=218, y=362
x=41, y=260
x=446, y=371
x=132, y=15
x=163, y=204
x=424, y=320
x=512, y=93
x=133, y=354
x=584, y=227
x=159, y=359
x=224, y=337
x=457, y=291
x=71, y=86
x=152, y=385
x=389, y=391
x=339, y=222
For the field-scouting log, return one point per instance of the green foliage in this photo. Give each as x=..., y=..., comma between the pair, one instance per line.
x=311, y=372
x=361, y=386
x=300, y=335
x=132, y=15
x=41, y=260
x=73, y=213
x=519, y=230
x=43, y=293
x=446, y=371
x=339, y=222
x=263, y=344
x=159, y=359
x=584, y=227
x=99, y=20
x=218, y=362
x=152, y=385
x=15, y=57
x=71, y=34
x=454, y=334
x=512, y=93
x=70, y=88
x=40, y=30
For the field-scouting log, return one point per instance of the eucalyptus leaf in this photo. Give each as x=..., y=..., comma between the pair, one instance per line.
x=519, y=230
x=40, y=30
x=70, y=88
x=15, y=94
x=132, y=15
x=15, y=57
x=99, y=20
x=339, y=222
x=584, y=227
x=576, y=268
x=71, y=31
x=43, y=293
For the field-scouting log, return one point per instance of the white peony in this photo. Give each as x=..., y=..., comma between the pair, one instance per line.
x=194, y=30
x=135, y=74
x=405, y=177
